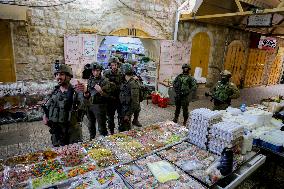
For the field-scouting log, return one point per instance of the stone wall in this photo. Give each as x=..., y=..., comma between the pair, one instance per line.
x=220, y=38
x=40, y=41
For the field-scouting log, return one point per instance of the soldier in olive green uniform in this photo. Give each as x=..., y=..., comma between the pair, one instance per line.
x=61, y=109
x=98, y=89
x=129, y=98
x=224, y=91
x=183, y=85
x=115, y=77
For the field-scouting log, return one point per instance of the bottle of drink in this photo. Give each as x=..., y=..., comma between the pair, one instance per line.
x=226, y=161
x=243, y=107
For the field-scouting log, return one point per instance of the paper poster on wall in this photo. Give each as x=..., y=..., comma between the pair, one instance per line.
x=80, y=50
x=72, y=49
x=173, y=55
x=89, y=45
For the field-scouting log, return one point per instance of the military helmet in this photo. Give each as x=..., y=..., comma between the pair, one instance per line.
x=186, y=66
x=96, y=65
x=59, y=67
x=113, y=60
x=226, y=73
x=126, y=69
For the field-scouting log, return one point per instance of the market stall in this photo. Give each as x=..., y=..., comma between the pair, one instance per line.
x=21, y=101
x=155, y=156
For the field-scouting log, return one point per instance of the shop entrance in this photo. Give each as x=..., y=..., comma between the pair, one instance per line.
x=142, y=53
x=200, y=53
x=7, y=70
x=235, y=61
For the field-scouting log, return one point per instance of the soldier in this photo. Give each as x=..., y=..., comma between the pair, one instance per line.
x=98, y=89
x=115, y=77
x=129, y=98
x=183, y=85
x=139, y=81
x=61, y=109
x=224, y=91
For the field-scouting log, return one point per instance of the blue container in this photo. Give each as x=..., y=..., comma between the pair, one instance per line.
x=272, y=147
x=256, y=142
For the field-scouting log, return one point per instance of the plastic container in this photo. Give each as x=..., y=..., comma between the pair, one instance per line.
x=155, y=98
x=163, y=102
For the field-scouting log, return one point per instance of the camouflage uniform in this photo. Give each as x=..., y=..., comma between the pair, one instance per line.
x=129, y=98
x=116, y=79
x=98, y=104
x=137, y=112
x=223, y=92
x=62, y=112
x=183, y=85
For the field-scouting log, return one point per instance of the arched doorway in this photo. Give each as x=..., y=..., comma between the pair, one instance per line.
x=7, y=69
x=235, y=60
x=200, y=51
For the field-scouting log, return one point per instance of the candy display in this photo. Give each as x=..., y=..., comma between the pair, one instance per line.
x=45, y=167
x=201, y=120
x=192, y=160
x=139, y=175
x=26, y=88
x=163, y=171
x=136, y=156
x=21, y=101
x=103, y=157
x=49, y=154
x=72, y=155
x=24, y=159
x=125, y=147
x=224, y=134
x=49, y=179
x=18, y=175
x=103, y=179
x=80, y=170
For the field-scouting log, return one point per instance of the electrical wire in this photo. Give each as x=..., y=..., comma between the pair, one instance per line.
x=35, y=6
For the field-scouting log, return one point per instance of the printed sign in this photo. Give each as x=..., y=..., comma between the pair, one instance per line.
x=260, y=20
x=267, y=43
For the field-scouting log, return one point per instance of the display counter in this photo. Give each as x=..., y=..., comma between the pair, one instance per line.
x=124, y=160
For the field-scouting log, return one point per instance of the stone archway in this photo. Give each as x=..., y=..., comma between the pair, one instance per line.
x=109, y=25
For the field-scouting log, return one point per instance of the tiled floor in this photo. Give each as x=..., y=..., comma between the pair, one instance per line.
x=21, y=138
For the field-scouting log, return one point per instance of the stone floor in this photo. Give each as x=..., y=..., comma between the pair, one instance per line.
x=21, y=138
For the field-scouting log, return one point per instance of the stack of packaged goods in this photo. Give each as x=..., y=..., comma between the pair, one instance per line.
x=200, y=122
x=273, y=140
x=225, y=134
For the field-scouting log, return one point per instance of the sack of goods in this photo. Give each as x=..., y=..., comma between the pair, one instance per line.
x=225, y=134
x=200, y=122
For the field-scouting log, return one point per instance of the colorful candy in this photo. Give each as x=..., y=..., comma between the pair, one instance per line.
x=49, y=179
x=80, y=170
x=44, y=168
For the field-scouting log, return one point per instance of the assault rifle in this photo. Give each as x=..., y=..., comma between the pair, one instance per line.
x=216, y=100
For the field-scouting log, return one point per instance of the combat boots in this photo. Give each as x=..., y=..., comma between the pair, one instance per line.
x=136, y=123
x=175, y=120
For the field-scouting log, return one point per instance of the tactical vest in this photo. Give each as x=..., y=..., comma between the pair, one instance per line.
x=125, y=93
x=116, y=80
x=96, y=97
x=183, y=85
x=60, y=106
x=223, y=92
